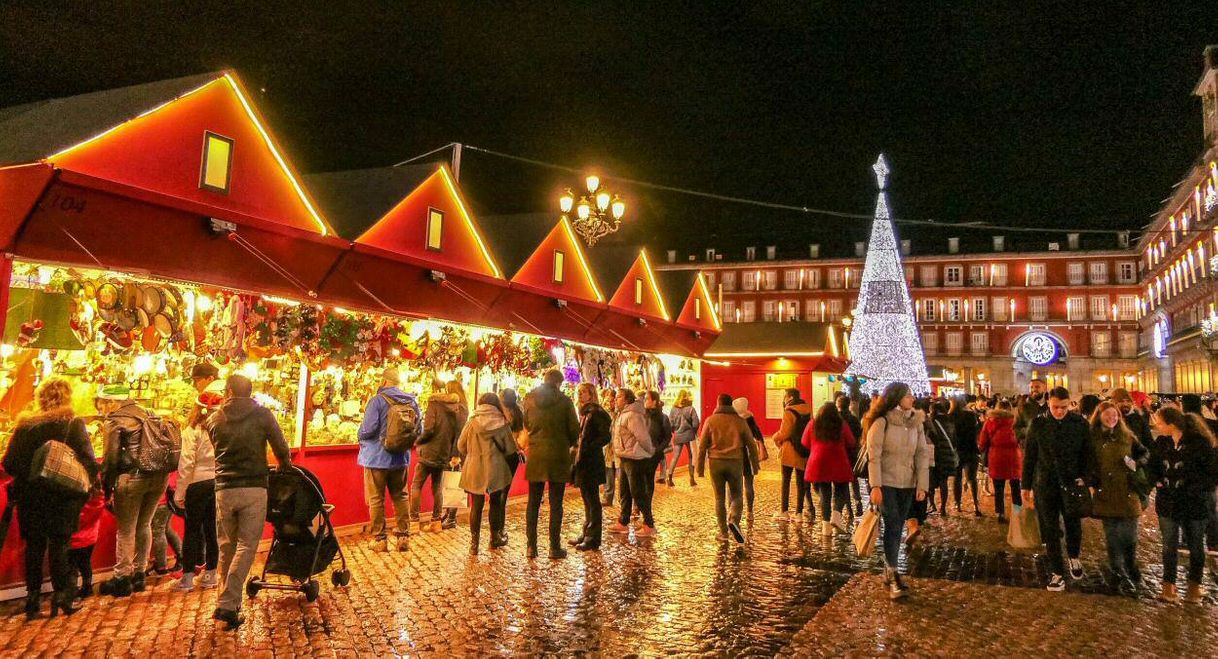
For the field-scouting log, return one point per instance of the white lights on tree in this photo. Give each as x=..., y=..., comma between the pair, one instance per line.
x=884, y=345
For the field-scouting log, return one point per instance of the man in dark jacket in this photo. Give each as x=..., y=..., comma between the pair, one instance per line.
x=1056, y=458
x=241, y=431
x=967, y=427
x=553, y=427
x=589, y=471
x=1138, y=424
x=442, y=423
x=134, y=493
x=1036, y=405
x=661, y=433
x=856, y=429
x=384, y=470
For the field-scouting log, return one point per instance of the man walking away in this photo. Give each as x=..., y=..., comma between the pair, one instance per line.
x=726, y=440
x=241, y=431
x=385, y=469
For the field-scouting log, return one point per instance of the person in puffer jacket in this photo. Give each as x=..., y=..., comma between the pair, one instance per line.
x=485, y=444
x=633, y=447
x=196, y=492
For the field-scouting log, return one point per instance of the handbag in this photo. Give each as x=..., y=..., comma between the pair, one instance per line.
x=865, y=534
x=454, y=496
x=860, y=463
x=1076, y=500
x=56, y=467
x=1024, y=529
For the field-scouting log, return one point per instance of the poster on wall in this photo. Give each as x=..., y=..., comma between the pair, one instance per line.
x=776, y=385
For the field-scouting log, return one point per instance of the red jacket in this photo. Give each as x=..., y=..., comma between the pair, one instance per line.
x=829, y=461
x=90, y=522
x=998, y=437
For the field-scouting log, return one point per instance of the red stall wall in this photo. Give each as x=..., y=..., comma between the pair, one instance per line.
x=740, y=379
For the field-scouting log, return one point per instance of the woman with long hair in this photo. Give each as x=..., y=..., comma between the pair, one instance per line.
x=1182, y=466
x=1004, y=461
x=829, y=442
x=509, y=402
x=1115, y=455
x=196, y=491
x=595, y=433
x=741, y=405
x=48, y=516
x=484, y=444
x=898, y=470
x=685, y=424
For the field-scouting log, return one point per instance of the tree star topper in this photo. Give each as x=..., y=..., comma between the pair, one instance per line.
x=881, y=172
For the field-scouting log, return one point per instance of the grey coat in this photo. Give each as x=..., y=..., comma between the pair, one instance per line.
x=485, y=443
x=898, y=453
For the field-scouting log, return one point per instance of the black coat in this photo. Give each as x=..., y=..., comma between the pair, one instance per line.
x=595, y=433
x=46, y=512
x=443, y=421
x=1056, y=453
x=661, y=430
x=241, y=432
x=967, y=427
x=1184, y=476
x=1140, y=428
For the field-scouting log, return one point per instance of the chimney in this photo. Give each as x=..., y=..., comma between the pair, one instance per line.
x=860, y=249
x=953, y=245
x=1000, y=243
x=906, y=247
x=814, y=251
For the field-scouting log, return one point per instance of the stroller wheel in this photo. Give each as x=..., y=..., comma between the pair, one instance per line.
x=311, y=590
x=341, y=577
x=252, y=587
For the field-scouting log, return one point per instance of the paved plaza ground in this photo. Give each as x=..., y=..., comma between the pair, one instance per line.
x=786, y=591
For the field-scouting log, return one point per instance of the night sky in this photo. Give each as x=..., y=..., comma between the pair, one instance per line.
x=1004, y=112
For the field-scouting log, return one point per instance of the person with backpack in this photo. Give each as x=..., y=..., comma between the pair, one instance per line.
x=135, y=472
x=661, y=435
x=796, y=415
x=856, y=427
x=47, y=514
x=241, y=431
x=388, y=432
x=442, y=423
x=684, y=420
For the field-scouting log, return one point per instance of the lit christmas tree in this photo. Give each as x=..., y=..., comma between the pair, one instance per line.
x=884, y=344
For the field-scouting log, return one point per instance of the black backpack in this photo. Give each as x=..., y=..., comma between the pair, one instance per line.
x=401, y=427
x=797, y=433
x=159, y=446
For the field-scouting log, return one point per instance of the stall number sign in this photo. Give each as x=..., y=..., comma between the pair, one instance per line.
x=776, y=385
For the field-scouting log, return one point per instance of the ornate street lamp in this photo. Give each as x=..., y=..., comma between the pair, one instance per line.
x=597, y=214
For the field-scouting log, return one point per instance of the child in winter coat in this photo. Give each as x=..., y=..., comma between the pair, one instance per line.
x=80, y=546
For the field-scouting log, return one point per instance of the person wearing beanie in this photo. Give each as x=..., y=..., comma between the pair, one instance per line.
x=196, y=492
x=741, y=405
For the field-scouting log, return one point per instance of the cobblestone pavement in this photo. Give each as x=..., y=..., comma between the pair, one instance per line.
x=680, y=593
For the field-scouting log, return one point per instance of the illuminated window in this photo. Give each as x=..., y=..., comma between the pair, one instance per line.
x=697, y=309
x=216, y=171
x=559, y=262
x=435, y=229
x=638, y=290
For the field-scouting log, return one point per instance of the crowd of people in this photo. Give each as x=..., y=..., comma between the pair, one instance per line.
x=1068, y=459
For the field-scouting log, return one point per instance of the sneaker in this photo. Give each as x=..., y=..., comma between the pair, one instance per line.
x=232, y=619
x=137, y=583
x=449, y=523
x=402, y=543
x=435, y=526
x=619, y=527
x=377, y=544
x=1056, y=584
x=1076, y=569
x=893, y=585
x=186, y=583
x=1127, y=587
x=838, y=522
x=734, y=529
x=646, y=531
x=209, y=579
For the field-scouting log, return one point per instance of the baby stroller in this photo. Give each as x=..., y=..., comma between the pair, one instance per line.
x=304, y=542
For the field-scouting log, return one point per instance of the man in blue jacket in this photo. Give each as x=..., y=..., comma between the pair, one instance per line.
x=384, y=470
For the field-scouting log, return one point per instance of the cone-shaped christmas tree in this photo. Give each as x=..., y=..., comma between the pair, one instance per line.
x=884, y=344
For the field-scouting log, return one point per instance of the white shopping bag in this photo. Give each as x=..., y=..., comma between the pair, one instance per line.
x=454, y=496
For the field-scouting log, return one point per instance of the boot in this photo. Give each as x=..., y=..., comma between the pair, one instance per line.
x=116, y=587
x=1169, y=593
x=892, y=581
x=85, y=591
x=531, y=552
x=838, y=522
x=670, y=483
x=475, y=534
x=32, y=603
x=1193, y=595
x=557, y=553
x=137, y=583
x=692, y=482
x=499, y=540
x=63, y=601
x=914, y=529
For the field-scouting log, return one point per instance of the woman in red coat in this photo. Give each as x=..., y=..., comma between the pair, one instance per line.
x=829, y=441
x=1005, y=458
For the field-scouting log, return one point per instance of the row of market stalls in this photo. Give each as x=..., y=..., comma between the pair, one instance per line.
x=150, y=228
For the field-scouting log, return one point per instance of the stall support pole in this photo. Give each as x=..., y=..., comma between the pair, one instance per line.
x=6, y=280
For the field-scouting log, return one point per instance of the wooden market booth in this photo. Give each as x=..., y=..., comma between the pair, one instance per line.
x=163, y=224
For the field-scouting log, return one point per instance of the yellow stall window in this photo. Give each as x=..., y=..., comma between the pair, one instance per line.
x=435, y=229
x=216, y=171
x=559, y=259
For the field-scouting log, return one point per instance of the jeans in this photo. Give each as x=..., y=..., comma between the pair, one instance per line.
x=594, y=514
x=1211, y=523
x=376, y=481
x=1000, y=504
x=836, y=493
x=494, y=516
x=1121, y=537
x=659, y=465
x=80, y=561
x=688, y=448
x=802, y=491
x=240, y=518
x=39, y=544
x=421, y=473
x=536, y=489
x=164, y=538
x=200, y=546
x=1051, y=514
x=893, y=511
x=1194, y=541
x=636, y=490
x=610, y=486
x=729, y=475
x=749, y=493
x=967, y=470
x=135, y=501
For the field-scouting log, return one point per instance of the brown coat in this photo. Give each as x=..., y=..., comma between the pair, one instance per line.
x=726, y=436
x=785, y=438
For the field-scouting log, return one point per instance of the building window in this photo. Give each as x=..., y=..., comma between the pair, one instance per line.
x=750, y=253
x=1129, y=344
x=998, y=274
x=1099, y=307
x=909, y=275
x=955, y=343
x=854, y=277
x=1000, y=309
x=980, y=343
x=771, y=279
x=1127, y=306
x=215, y=174
x=791, y=310
x=1036, y=274
x=928, y=309
x=860, y=249
x=814, y=251
x=930, y=342
x=835, y=278
x=790, y=279
x=978, y=308
x=1072, y=241
x=1076, y=308
x=976, y=275
x=951, y=275
x=953, y=310
x=767, y=311
x=1098, y=272
x=1127, y=273
x=1101, y=344
x=728, y=280
x=672, y=255
x=953, y=245
x=559, y=264
x=750, y=280
x=729, y=310
x=814, y=278
x=1074, y=274
x=748, y=311
x=906, y=247
x=999, y=243
x=1038, y=308
x=930, y=275
x=435, y=229
x=835, y=310
x=638, y=290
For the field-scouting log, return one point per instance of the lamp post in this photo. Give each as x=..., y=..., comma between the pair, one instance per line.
x=597, y=213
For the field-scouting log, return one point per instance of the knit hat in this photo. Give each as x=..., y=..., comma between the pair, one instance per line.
x=212, y=397
x=114, y=392
x=741, y=405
